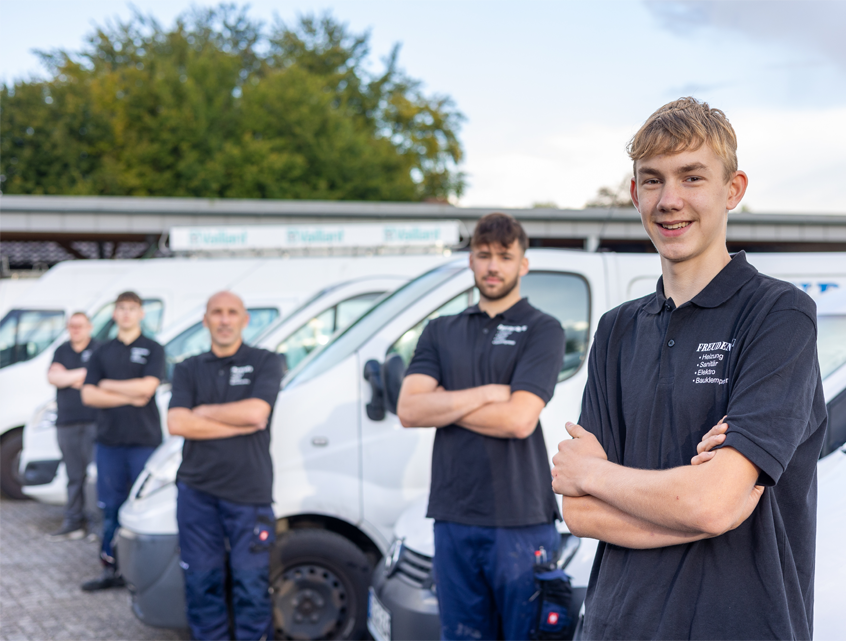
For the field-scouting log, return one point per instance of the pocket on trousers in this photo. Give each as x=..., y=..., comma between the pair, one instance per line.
x=264, y=532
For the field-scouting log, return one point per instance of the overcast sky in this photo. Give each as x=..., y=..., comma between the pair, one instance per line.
x=553, y=90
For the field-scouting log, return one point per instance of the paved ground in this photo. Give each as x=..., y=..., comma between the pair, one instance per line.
x=39, y=584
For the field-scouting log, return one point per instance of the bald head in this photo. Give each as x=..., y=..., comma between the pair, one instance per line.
x=226, y=317
x=226, y=299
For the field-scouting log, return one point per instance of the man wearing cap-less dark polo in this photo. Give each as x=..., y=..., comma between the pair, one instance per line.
x=482, y=378
x=222, y=404
x=76, y=427
x=122, y=378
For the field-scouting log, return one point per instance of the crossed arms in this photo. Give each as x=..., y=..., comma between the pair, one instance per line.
x=653, y=508
x=61, y=377
x=223, y=420
x=111, y=393
x=490, y=410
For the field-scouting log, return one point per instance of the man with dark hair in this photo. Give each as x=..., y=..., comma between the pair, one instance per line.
x=121, y=382
x=222, y=403
x=76, y=428
x=482, y=378
x=706, y=532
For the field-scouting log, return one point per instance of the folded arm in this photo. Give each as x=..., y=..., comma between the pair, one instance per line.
x=95, y=396
x=515, y=418
x=708, y=499
x=250, y=412
x=61, y=377
x=182, y=421
x=134, y=387
x=422, y=403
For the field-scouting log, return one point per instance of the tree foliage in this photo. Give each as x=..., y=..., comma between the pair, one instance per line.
x=612, y=197
x=221, y=105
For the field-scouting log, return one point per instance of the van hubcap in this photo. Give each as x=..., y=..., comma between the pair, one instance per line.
x=310, y=603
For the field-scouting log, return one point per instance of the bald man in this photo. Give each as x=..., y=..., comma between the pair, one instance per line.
x=222, y=404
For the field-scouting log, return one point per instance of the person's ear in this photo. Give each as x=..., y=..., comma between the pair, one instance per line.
x=737, y=189
x=524, y=265
x=633, y=194
x=206, y=320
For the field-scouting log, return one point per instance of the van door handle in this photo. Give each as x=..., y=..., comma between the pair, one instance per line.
x=373, y=375
x=320, y=441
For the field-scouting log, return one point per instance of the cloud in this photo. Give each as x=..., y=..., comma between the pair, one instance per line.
x=809, y=25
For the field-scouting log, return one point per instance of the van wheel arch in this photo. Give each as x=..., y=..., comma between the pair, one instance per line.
x=11, y=445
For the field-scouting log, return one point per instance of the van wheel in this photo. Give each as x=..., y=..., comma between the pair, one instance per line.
x=10, y=460
x=319, y=581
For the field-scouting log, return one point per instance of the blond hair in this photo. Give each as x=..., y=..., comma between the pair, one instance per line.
x=685, y=125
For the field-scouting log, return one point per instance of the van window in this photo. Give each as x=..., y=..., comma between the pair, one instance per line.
x=317, y=331
x=564, y=296
x=195, y=340
x=24, y=334
x=831, y=343
x=104, y=328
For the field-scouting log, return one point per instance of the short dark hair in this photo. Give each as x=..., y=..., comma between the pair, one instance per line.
x=129, y=297
x=501, y=229
x=83, y=314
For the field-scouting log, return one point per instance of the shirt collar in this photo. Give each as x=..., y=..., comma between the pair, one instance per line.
x=515, y=312
x=723, y=286
x=210, y=356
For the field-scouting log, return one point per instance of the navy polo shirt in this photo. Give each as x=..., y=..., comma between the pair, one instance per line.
x=238, y=468
x=483, y=480
x=127, y=424
x=659, y=378
x=69, y=401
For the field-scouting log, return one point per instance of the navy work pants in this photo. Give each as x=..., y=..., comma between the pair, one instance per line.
x=206, y=523
x=117, y=469
x=485, y=579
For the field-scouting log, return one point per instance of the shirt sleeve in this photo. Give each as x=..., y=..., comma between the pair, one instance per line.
x=58, y=355
x=94, y=370
x=598, y=406
x=773, y=393
x=268, y=378
x=155, y=362
x=182, y=387
x=426, y=359
x=540, y=363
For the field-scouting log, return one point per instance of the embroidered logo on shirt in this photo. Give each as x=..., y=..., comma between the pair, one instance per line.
x=85, y=356
x=710, y=359
x=504, y=331
x=139, y=355
x=236, y=374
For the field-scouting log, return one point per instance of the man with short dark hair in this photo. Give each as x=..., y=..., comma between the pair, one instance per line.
x=222, y=404
x=121, y=382
x=705, y=532
x=482, y=378
x=76, y=428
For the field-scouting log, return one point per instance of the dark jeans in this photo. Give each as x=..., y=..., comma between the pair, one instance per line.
x=76, y=441
x=117, y=469
x=206, y=523
x=485, y=579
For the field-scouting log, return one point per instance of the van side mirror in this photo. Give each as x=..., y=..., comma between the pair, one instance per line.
x=373, y=375
x=393, y=371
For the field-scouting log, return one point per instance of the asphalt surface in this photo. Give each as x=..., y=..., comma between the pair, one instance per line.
x=39, y=584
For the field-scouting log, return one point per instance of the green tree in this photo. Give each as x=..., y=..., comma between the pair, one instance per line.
x=220, y=106
x=612, y=197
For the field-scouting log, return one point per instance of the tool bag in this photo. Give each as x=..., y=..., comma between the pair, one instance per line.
x=555, y=618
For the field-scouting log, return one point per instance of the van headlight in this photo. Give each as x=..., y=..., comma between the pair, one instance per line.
x=160, y=476
x=44, y=418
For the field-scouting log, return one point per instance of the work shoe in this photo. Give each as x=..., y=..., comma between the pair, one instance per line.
x=110, y=578
x=68, y=532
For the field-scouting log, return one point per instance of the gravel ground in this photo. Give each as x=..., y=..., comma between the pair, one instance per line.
x=39, y=584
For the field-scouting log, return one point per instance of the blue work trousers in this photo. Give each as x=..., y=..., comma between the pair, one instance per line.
x=485, y=579
x=206, y=523
x=117, y=469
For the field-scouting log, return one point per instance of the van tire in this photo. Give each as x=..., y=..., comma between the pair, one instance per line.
x=10, y=458
x=319, y=581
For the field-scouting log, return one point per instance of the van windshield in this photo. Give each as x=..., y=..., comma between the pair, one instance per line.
x=348, y=341
x=25, y=333
x=831, y=343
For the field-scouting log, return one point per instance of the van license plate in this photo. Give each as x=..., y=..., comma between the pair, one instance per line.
x=378, y=618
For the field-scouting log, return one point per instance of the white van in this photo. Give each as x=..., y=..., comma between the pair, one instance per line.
x=345, y=469
x=309, y=326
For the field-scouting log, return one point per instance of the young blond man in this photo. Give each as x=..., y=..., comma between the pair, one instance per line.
x=705, y=533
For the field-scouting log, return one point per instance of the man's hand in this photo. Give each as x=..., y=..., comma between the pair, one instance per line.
x=572, y=463
x=139, y=401
x=249, y=414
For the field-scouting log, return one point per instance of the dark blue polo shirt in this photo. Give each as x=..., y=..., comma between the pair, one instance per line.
x=127, y=424
x=482, y=480
x=660, y=377
x=69, y=402
x=238, y=468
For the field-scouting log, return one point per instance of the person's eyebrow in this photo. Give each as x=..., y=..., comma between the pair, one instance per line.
x=649, y=171
x=694, y=166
